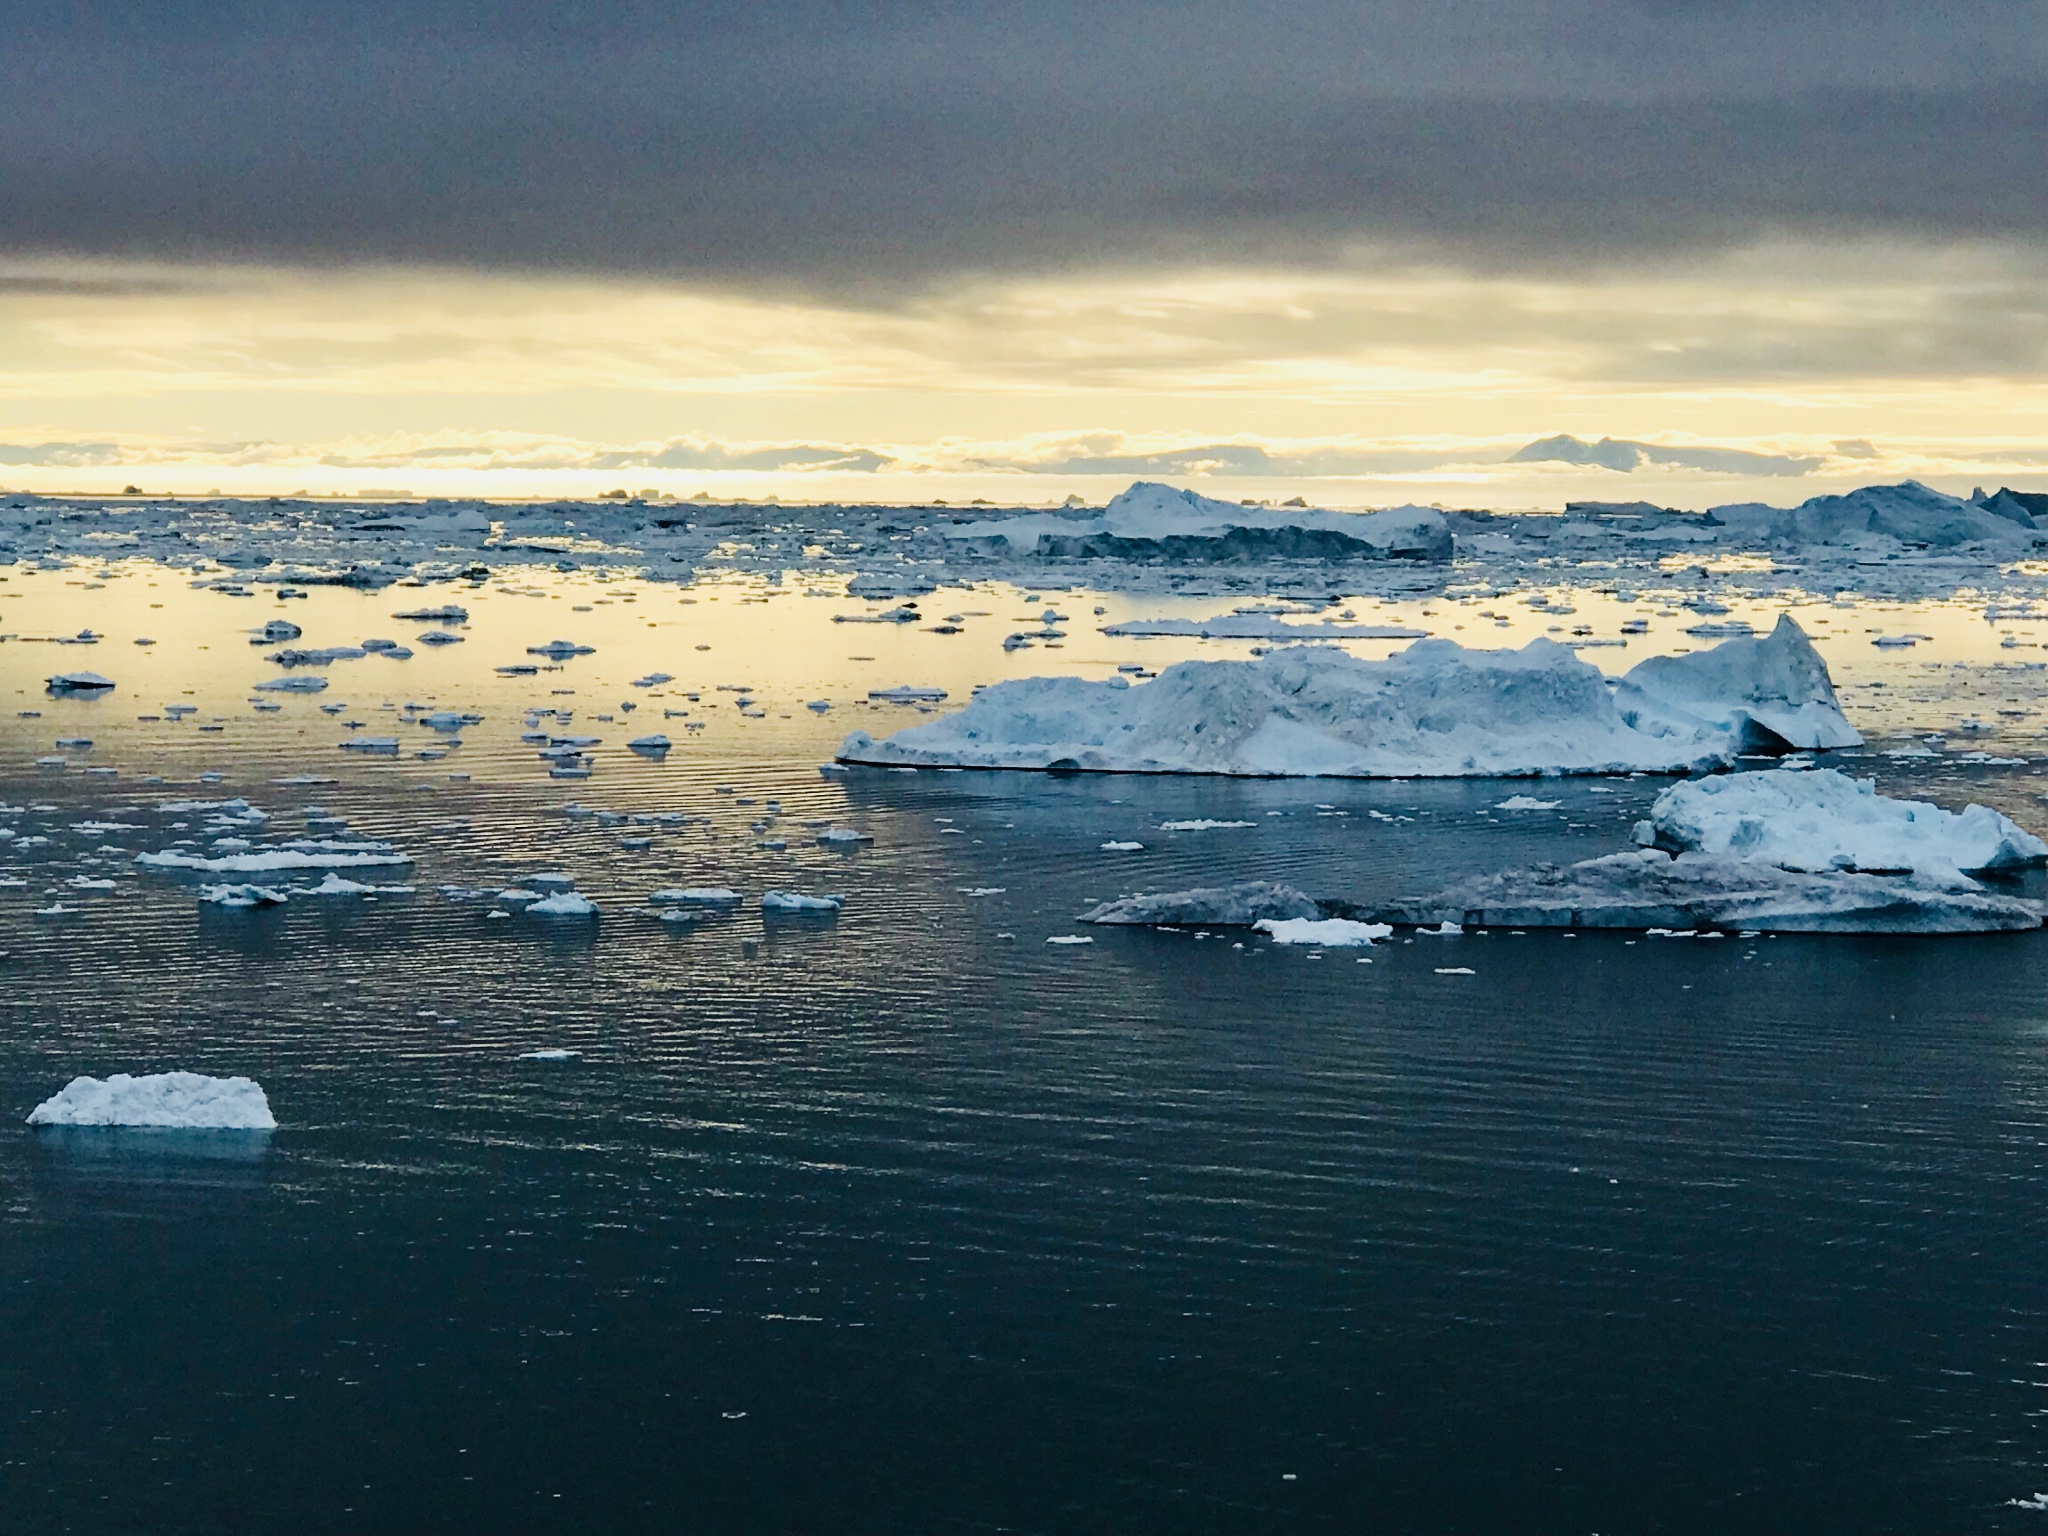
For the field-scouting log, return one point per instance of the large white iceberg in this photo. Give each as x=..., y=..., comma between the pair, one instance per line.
x=1152, y=522
x=1435, y=709
x=180, y=1100
x=1823, y=820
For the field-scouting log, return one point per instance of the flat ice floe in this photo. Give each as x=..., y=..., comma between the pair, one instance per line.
x=1157, y=522
x=1433, y=710
x=1328, y=932
x=1651, y=889
x=1820, y=820
x=178, y=1100
x=301, y=853
x=1215, y=906
x=1254, y=626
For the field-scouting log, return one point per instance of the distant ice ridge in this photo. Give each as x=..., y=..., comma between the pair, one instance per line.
x=1152, y=522
x=179, y=1100
x=1256, y=626
x=1822, y=820
x=1909, y=512
x=1433, y=710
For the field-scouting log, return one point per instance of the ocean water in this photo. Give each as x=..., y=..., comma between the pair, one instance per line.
x=909, y=1221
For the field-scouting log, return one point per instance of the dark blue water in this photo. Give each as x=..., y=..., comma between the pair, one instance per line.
x=899, y=1224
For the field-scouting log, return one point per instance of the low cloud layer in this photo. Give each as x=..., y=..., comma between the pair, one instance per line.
x=816, y=143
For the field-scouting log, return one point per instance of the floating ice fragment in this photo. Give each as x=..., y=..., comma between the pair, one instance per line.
x=1071, y=938
x=240, y=897
x=180, y=1100
x=792, y=901
x=552, y=1053
x=695, y=896
x=1455, y=970
x=1116, y=847
x=1329, y=932
x=1527, y=803
x=906, y=694
x=1202, y=824
x=844, y=837
x=563, y=904
x=303, y=683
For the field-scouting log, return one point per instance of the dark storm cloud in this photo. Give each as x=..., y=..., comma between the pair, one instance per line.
x=822, y=142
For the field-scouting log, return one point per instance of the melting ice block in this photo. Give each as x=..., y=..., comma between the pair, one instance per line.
x=1433, y=710
x=184, y=1100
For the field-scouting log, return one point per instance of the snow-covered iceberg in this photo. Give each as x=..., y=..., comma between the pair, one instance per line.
x=1821, y=821
x=1216, y=906
x=1435, y=709
x=1157, y=522
x=1651, y=889
x=79, y=682
x=180, y=1100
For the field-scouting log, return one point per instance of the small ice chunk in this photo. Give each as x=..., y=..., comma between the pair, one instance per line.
x=552, y=1053
x=304, y=682
x=1071, y=938
x=1202, y=824
x=1115, y=847
x=240, y=897
x=1527, y=803
x=793, y=901
x=563, y=904
x=695, y=896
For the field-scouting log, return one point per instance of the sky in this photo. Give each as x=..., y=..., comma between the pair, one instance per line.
x=1479, y=252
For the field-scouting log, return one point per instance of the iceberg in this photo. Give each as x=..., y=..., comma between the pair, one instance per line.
x=1215, y=906
x=1330, y=932
x=78, y=682
x=179, y=1100
x=304, y=683
x=1433, y=710
x=1909, y=512
x=695, y=896
x=1158, y=522
x=1771, y=693
x=1652, y=889
x=1819, y=820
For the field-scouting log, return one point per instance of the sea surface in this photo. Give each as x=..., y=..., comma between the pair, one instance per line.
x=910, y=1221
